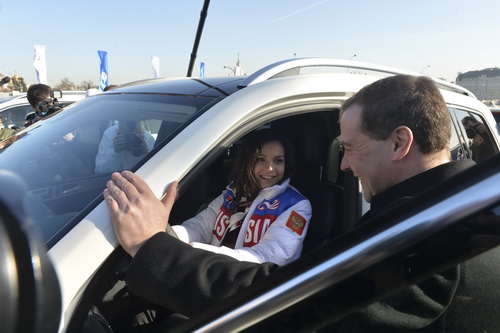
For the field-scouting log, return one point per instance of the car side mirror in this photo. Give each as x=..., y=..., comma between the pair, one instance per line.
x=58, y=94
x=29, y=288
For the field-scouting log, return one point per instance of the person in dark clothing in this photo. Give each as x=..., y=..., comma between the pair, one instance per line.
x=421, y=306
x=41, y=98
x=395, y=134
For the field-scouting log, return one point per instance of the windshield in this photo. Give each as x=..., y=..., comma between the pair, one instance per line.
x=67, y=159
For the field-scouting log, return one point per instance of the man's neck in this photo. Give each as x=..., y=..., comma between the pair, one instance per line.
x=417, y=163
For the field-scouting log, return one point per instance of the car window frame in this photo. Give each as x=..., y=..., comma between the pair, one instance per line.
x=457, y=113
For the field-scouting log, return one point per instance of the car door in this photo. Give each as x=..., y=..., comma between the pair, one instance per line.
x=187, y=157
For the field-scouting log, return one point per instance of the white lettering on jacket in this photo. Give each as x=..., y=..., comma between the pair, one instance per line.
x=221, y=224
x=257, y=227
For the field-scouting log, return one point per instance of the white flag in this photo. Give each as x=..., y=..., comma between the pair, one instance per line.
x=155, y=61
x=40, y=64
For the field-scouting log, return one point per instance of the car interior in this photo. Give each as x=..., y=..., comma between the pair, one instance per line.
x=317, y=155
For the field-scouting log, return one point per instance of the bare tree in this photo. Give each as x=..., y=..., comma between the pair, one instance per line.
x=65, y=84
x=86, y=85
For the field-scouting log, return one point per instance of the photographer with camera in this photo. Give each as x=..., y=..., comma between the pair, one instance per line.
x=122, y=146
x=481, y=145
x=41, y=98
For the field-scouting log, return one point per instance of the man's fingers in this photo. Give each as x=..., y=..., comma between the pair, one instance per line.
x=115, y=193
x=139, y=184
x=122, y=183
x=110, y=201
x=135, y=211
x=169, y=198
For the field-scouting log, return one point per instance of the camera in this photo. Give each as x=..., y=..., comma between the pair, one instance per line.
x=472, y=131
x=48, y=106
x=136, y=144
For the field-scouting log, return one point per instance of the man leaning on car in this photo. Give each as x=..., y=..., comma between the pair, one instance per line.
x=395, y=134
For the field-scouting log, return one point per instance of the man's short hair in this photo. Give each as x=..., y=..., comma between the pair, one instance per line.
x=38, y=92
x=405, y=100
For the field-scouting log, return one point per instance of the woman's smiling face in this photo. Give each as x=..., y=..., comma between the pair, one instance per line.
x=270, y=165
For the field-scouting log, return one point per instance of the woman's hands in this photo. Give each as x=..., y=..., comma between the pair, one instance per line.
x=135, y=211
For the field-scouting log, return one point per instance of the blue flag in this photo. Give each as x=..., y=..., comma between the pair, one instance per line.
x=103, y=75
x=202, y=69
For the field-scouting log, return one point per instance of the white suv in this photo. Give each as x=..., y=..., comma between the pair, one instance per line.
x=14, y=110
x=196, y=124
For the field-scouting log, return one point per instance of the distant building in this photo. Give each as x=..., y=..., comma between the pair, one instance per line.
x=485, y=84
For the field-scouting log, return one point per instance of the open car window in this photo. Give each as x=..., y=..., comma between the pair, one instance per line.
x=456, y=224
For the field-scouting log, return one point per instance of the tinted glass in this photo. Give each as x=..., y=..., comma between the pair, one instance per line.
x=67, y=158
x=476, y=137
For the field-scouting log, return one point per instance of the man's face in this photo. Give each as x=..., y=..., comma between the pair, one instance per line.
x=368, y=159
x=468, y=123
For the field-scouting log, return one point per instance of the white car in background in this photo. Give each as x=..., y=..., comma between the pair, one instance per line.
x=197, y=124
x=15, y=109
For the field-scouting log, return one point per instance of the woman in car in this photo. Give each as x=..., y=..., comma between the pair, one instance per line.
x=259, y=217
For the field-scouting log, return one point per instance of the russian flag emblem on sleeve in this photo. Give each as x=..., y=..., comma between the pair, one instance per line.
x=296, y=223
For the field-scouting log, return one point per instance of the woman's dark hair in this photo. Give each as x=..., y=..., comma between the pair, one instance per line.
x=243, y=180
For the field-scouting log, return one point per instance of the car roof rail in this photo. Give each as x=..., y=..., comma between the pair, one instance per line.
x=291, y=67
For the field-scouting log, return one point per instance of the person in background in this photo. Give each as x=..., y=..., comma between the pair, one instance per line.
x=41, y=98
x=122, y=146
x=481, y=145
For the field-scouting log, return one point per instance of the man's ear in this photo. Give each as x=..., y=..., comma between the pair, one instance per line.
x=402, y=138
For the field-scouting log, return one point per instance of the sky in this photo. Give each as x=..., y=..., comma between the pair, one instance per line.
x=438, y=38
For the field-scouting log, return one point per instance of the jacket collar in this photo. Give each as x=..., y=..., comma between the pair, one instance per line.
x=416, y=184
